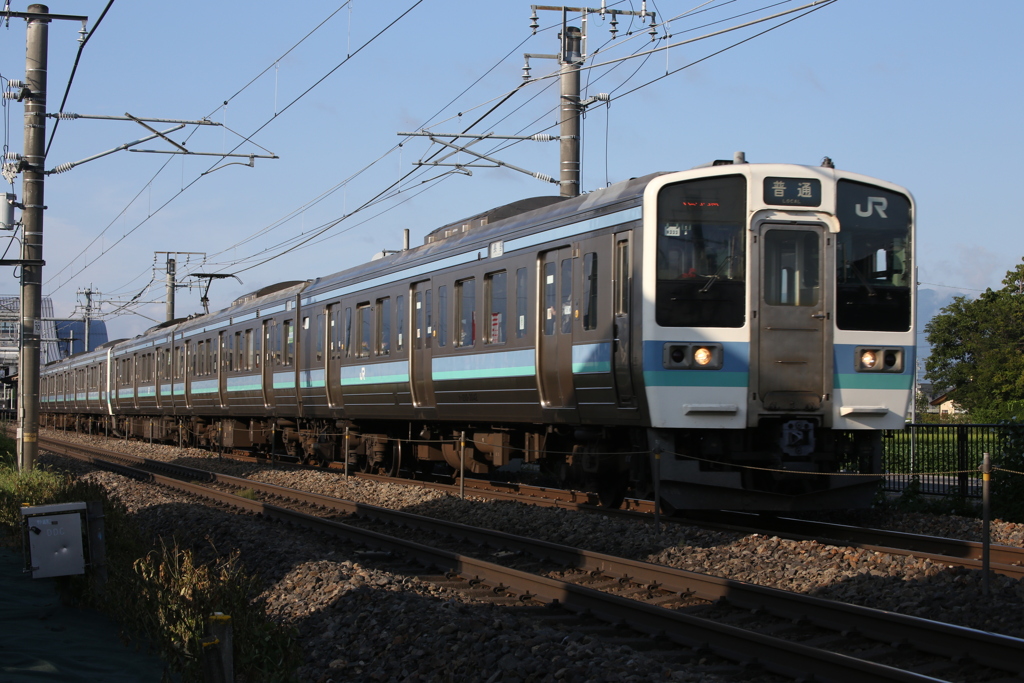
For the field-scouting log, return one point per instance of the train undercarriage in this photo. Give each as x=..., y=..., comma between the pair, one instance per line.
x=776, y=467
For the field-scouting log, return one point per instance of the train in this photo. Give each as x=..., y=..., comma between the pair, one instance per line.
x=733, y=336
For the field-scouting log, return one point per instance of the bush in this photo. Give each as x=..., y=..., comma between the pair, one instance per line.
x=160, y=594
x=1008, y=486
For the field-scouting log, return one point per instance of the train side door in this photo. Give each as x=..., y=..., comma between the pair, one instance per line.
x=422, y=344
x=335, y=353
x=268, y=362
x=621, y=295
x=794, y=318
x=554, y=329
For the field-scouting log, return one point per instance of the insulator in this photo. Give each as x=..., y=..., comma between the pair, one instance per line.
x=15, y=84
x=8, y=95
x=534, y=23
x=545, y=178
x=62, y=168
x=653, y=31
x=543, y=137
x=526, y=70
x=12, y=156
x=614, y=25
x=66, y=115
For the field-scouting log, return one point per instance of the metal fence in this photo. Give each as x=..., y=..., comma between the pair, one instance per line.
x=945, y=458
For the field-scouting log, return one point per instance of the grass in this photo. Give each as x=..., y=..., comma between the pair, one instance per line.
x=160, y=590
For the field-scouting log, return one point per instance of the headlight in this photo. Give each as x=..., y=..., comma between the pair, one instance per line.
x=879, y=359
x=702, y=356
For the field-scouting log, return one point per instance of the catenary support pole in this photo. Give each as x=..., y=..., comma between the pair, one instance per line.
x=569, y=113
x=32, y=237
x=169, y=313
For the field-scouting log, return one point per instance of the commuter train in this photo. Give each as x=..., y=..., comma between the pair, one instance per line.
x=735, y=336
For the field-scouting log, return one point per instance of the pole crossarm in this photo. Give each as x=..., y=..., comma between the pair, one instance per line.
x=70, y=165
x=46, y=17
x=68, y=116
x=465, y=148
x=540, y=137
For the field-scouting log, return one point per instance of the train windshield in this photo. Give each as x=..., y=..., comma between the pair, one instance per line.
x=701, y=260
x=874, y=275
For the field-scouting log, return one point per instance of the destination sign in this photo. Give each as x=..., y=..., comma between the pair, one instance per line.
x=792, y=191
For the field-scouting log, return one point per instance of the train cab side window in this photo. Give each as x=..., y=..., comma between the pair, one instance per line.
x=521, y=303
x=590, y=291
x=496, y=297
x=384, y=326
x=466, y=314
x=442, y=315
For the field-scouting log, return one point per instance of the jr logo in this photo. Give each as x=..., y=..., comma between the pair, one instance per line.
x=874, y=203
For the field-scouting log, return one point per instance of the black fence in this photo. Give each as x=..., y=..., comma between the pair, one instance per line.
x=946, y=459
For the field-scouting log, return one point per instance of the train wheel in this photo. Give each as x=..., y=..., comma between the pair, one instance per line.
x=611, y=489
x=391, y=462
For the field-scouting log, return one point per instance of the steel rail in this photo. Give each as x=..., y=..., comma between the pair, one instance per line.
x=1001, y=652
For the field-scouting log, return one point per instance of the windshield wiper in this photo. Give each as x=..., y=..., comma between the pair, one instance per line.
x=711, y=280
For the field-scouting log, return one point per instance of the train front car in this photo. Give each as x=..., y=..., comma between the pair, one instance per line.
x=778, y=309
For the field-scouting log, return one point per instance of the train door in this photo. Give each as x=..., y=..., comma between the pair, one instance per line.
x=335, y=353
x=188, y=372
x=622, y=344
x=268, y=363
x=794, y=318
x=554, y=330
x=420, y=357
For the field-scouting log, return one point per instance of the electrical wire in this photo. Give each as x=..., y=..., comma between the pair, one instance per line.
x=74, y=69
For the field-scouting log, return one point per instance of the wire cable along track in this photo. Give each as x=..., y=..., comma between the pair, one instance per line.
x=827, y=641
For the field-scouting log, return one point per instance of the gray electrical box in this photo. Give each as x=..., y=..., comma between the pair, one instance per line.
x=54, y=539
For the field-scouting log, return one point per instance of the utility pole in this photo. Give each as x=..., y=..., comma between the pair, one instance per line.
x=171, y=268
x=170, y=289
x=87, y=315
x=569, y=133
x=34, y=96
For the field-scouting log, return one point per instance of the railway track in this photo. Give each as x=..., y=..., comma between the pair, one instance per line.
x=756, y=628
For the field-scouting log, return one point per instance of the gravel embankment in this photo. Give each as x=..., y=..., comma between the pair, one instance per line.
x=361, y=623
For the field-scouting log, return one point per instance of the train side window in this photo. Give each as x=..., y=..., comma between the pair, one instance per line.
x=288, y=330
x=320, y=337
x=590, y=291
x=213, y=356
x=442, y=315
x=622, y=278
x=521, y=303
x=496, y=296
x=257, y=348
x=429, y=304
x=384, y=326
x=364, y=328
x=566, y=303
x=399, y=322
x=199, y=360
x=466, y=314
x=418, y=320
x=550, y=298
x=347, y=341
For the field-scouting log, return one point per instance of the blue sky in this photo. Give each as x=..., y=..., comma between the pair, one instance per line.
x=924, y=94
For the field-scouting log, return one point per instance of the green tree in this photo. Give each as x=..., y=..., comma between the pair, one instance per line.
x=978, y=351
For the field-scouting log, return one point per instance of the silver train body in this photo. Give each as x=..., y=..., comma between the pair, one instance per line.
x=734, y=336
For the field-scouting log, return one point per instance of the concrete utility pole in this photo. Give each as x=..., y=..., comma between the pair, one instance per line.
x=569, y=134
x=34, y=157
x=170, y=289
x=171, y=269
x=87, y=315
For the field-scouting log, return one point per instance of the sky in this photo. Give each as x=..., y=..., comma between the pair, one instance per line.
x=923, y=94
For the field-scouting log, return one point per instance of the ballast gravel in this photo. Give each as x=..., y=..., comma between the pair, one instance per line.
x=361, y=623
